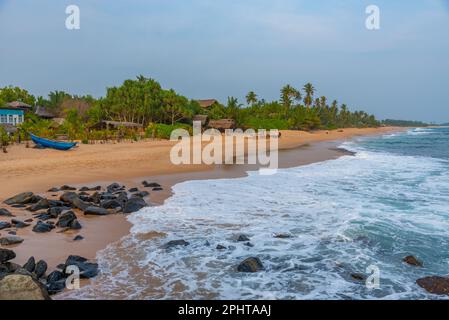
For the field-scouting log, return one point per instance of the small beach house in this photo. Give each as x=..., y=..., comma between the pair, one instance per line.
x=11, y=115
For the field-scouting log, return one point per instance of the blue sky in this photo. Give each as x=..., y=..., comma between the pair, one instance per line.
x=220, y=48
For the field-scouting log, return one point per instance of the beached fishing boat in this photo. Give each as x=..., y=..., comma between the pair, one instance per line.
x=58, y=145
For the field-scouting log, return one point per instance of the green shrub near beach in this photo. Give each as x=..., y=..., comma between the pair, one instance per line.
x=163, y=131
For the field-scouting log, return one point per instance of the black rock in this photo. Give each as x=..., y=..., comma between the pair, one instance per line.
x=133, y=190
x=83, y=189
x=55, y=276
x=42, y=227
x=147, y=184
x=42, y=204
x=75, y=225
x=107, y=196
x=6, y=255
x=74, y=260
x=5, y=213
x=134, y=204
x=220, y=247
x=30, y=265
x=12, y=233
x=4, y=225
x=158, y=189
x=110, y=204
x=249, y=244
x=113, y=187
x=19, y=224
x=252, y=264
x=142, y=194
x=54, y=189
x=68, y=197
x=22, y=198
x=411, y=260
x=435, y=284
x=44, y=217
x=282, y=235
x=18, y=206
x=60, y=266
x=67, y=188
x=96, y=211
x=56, y=287
x=87, y=269
x=175, y=243
x=97, y=188
x=78, y=238
x=56, y=203
x=65, y=219
x=56, y=211
x=242, y=238
x=41, y=268
x=358, y=276
x=10, y=240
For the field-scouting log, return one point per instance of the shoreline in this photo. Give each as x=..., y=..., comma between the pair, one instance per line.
x=296, y=148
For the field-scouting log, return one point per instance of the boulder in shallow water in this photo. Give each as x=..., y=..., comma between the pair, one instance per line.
x=435, y=284
x=411, y=260
x=242, y=238
x=22, y=198
x=175, y=243
x=55, y=287
x=6, y=255
x=78, y=238
x=111, y=204
x=10, y=240
x=22, y=287
x=134, y=204
x=75, y=225
x=252, y=264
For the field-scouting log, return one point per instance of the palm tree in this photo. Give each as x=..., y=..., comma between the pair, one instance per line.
x=310, y=91
x=288, y=94
x=251, y=98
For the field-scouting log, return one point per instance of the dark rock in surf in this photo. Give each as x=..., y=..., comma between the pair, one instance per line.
x=158, y=189
x=242, y=238
x=411, y=260
x=142, y=194
x=147, y=184
x=435, y=285
x=110, y=204
x=55, y=276
x=55, y=287
x=252, y=264
x=133, y=190
x=358, y=277
x=134, y=204
x=175, y=243
x=220, y=247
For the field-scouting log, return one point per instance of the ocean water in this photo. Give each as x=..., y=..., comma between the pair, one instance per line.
x=388, y=201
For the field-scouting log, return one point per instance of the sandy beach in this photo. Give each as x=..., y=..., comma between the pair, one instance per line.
x=37, y=170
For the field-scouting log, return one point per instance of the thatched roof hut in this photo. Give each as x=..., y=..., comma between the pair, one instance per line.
x=44, y=113
x=222, y=124
x=207, y=103
x=19, y=105
x=105, y=124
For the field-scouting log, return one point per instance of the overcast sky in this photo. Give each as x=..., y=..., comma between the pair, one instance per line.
x=220, y=48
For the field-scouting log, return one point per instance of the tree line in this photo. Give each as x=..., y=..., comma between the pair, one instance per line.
x=144, y=101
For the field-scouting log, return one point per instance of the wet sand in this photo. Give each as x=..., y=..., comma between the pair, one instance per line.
x=28, y=169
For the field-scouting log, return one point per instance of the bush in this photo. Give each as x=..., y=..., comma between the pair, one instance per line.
x=163, y=131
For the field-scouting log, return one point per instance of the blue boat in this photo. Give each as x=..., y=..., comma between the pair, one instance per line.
x=58, y=145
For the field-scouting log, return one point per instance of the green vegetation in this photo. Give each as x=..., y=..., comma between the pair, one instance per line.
x=159, y=111
x=404, y=123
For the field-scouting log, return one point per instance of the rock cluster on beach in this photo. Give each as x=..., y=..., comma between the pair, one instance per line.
x=32, y=282
x=60, y=212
